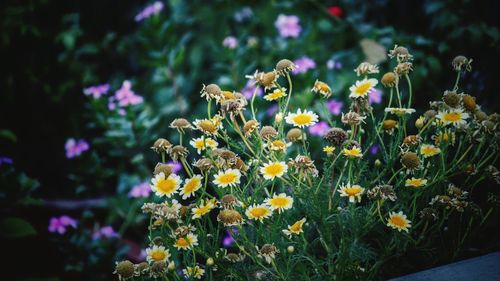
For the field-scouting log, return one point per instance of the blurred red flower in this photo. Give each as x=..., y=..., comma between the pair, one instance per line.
x=336, y=11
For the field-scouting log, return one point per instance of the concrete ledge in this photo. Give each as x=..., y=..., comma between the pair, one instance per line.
x=483, y=268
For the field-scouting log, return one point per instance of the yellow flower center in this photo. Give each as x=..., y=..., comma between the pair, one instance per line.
x=398, y=221
x=352, y=191
x=296, y=227
x=202, y=210
x=207, y=126
x=274, y=169
x=258, y=212
x=191, y=185
x=302, y=119
x=227, y=178
x=278, y=144
x=183, y=242
x=158, y=255
x=452, y=117
x=279, y=201
x=416, y=182
x=363, y=88
x=167, y=185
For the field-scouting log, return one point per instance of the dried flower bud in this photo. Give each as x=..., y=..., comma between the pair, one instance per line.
x=382, y=192
x=403, y=68
x=480, y=115
x=389, y=79
x=157, y=240
x=451, y=98
x=400, y=53
x=278, y=118
x=166, y=169
x=211, y=91
x=469, y=102
x=250, y=126
x=411, y=140
x=389, y=124
x=268, y=133
x=141, y=268
x=266, y=80
x=429, y=114
x=158, y=268
x=284, y=66
x=178, y=152
x=410, y=160
x=203, y=164
x=366, y=68
x=125, y=270
x=352, y=118
x=428, y=214
x=230, y=217
x=161, y=145
x=228, y=201
x=460, y=63
x=180, y=124
x=420, y=122
x=294, y=135
x=335, y=136
x=231, y=107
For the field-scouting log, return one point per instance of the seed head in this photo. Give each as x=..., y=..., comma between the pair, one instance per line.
x=389, y=79
x=180, y=124
x=166, y=169
x=295, y=134
x=451, y=98
x=211, y=91
x=178, y=152
x=268, y=133
x=125, y=270
x=161, y=145
x=284, y=66
x=469, y=102
x=460, y=63
x=366, y=68
x=230, y=217
x=250, y=126
x=410, y=160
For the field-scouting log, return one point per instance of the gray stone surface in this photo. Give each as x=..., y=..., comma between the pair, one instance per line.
x=483, y=268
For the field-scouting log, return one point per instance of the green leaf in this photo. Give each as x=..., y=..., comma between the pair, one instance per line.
x=7, y=134
x=16, y=228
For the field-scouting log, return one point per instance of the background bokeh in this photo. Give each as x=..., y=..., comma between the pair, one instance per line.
x=52, y=50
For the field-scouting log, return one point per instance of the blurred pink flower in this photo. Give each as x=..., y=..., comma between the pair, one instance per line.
x=176, y=166
x=249, y=88
x=230, y=42
x=125, y=96
x=288, y=26
x=140, y=190
x=104, y=232
x=303, y=65
x=75, y=147
x=59, y=224
x=149, y=11
x=335, y=107
x=319, y=129
x=96, y=91
x=333, y=64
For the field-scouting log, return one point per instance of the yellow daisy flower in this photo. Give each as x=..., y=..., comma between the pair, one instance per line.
x=202, y=209
x=186, y=242
x=301, y=118
x=279, y=202
x=429, y=150
x=398, y=221
x=276, y=94
x=352, y=191
x=295, y=228
x=157, y=254
x=258, y=212
x=354, y=152
x=322, y=88
x=362, y=88
x=165, y=186
x=329, y=149
x=415, y=182
x=230, y=177
x=278, y=145
x=209, y=126
x=194, y=272
x=203, y=143
x=272, y=170
x=454, y=117
x=190, y=186
x=444, y=136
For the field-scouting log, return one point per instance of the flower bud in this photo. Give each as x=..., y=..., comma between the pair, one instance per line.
x=210, y=262
x=290, y=249
x=378, y=163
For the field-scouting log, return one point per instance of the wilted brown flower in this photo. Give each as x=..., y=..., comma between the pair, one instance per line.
x=451, y=98
x=352, y=118
x=163, y=168
x=400, y=53
x=161, y=145
x=229, y=201
x=382, y=192
x=410, y=161
x=180, y=124
x=389, y=125
x=234, y=258
x=366, y=68
x=211, y=91
x=268, y=133
x=480, y=115
x=403, y=68
x=230, y=217
x=389, y=79
x=268, y=252
x=250, y=126
x=284, y=66
x=295, y=134
x=428, y=214
x=469, y=102
x=460, y=63
x=178, y=152
x=412, y=140
x=335, y=136
x=304, y=164
x=125, y=270
x=203, y=164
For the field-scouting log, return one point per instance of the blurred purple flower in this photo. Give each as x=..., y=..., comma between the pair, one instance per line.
x=230, y=42
x=374, y=149
x=59, y=224
x=270, y=111
x=333, y=64
x=303, y=65
x=176, y=166
x=125, y=96
x=288, y=26
x=6, y=160
x=244, y=14
x=96, y=91
x=149, y=11
x=249, y=88
x=335, y=106
x=375, y=96
x=319, y=129
x=104, y=232
x=140, y=190
x=75, y=147
x=228, y=240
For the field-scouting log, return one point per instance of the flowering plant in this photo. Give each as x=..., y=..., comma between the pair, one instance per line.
x=255, y=182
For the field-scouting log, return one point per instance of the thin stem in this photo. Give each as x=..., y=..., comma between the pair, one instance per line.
x=290, y=86
x=253, y=100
